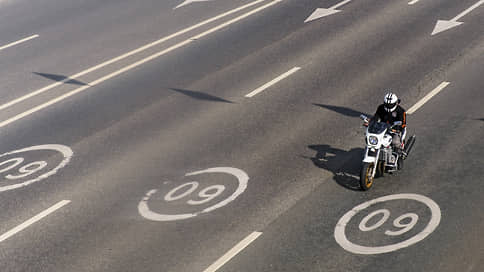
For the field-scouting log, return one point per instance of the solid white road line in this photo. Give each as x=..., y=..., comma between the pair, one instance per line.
x=186, y=2
x=413, y=2
x=342, y=3
x=422, y=101
x=465, y=12
x=19, y=41
x=134, y=65
x=140, y=49
x=272, y=82
x=32, y=220
x=234, y=251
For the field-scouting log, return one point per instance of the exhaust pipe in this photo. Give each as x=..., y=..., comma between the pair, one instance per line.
x=409, y=145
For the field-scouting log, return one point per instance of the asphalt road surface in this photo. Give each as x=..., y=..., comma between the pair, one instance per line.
x=224, y=135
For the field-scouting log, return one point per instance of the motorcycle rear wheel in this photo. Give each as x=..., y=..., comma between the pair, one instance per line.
x=366, y=179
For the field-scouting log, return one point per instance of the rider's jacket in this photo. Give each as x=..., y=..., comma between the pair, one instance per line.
x=398, y=114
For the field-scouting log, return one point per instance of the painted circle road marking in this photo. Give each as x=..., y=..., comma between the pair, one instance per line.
x=185, y=190
x=28, y=170
x=340, y=236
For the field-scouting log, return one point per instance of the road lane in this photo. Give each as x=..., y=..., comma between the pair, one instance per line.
x=71, y=78
x=79, y=82
x=120, y=71
x=448, y=134
x=76, y=35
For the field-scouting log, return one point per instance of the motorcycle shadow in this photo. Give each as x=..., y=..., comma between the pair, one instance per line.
x=345, y=165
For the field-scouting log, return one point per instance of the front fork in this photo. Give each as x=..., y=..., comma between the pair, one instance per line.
x=371, y=159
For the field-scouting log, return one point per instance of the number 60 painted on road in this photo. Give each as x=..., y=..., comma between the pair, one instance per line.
x=33, y=167
x=170, y=196
x=187, y=189
x=342, y=240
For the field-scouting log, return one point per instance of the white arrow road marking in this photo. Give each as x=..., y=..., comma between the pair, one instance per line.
x=32, y=220
x=186, y=2
x=322, y=12
x=443, y=25
x=427, y=97
x=234, y=251
x=17, y=42
x=413, y=2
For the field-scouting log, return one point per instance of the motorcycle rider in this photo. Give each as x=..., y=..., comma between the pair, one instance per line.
x=389, y=112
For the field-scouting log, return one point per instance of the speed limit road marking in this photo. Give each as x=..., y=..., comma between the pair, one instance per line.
x=14, y=165
x=404, y=223
x=192, y=194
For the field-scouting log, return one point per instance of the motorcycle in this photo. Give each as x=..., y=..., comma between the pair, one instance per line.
x=380, y=157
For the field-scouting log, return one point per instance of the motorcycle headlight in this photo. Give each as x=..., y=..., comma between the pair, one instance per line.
x=373, y=140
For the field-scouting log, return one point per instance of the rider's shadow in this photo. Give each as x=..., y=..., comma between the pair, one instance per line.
x=345, y=165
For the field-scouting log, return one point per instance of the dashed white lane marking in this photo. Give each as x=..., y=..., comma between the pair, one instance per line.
x=134, y=65
x=413, y=2
x=32, y=220
x=18, y=42
x=422, y=101
x=272, y=82
x=138, y=50
x=234, y=251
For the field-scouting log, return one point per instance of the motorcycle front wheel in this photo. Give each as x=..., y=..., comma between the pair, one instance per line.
x=366, y=178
